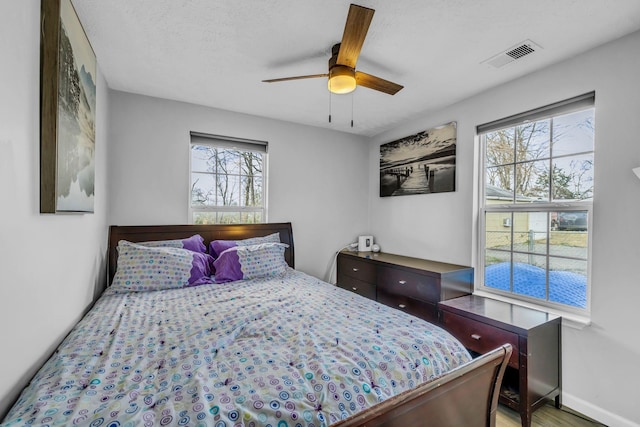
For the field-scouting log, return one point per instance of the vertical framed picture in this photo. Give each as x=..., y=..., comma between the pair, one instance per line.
x=419, y=164
x=67, y=111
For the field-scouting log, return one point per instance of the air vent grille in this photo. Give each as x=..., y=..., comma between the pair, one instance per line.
x=512, y=54
x=520, y=51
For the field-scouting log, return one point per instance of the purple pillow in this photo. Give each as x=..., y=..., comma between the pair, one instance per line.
x=201, y=269
x=218, y=246
x=142, y=268
x=250, y=262
x=194, y=243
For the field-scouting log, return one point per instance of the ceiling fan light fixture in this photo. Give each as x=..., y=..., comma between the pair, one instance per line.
x=342, y=79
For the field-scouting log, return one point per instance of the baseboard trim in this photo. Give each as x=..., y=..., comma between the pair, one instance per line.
x=597, y=413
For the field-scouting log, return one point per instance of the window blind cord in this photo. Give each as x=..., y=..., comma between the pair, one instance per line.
x=329, y=275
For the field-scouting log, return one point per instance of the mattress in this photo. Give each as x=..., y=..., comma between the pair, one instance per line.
x=286, y=351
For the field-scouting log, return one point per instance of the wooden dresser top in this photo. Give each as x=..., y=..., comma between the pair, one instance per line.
x=405, y=261
x=499, y=313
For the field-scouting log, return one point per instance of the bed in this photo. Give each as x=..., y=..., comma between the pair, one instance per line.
x=281, y=349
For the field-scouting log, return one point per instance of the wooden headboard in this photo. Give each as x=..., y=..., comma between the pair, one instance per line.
x=145, y=233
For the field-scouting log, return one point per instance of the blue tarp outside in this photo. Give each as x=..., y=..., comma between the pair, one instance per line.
x=565, y=287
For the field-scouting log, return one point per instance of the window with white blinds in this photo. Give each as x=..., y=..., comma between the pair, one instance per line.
x=536, y=205
x=228, y=180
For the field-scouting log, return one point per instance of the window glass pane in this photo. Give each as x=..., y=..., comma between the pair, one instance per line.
x=573, y=133
x=532, y=141
x=569, y=236
x=497, y=269
x=499, y=185
x=251, y=191
x=572, y=220
x=203, y=191
x=204, y=217
x=573, y=177
x=251, y=217
x=228, y=190
x=568, y=281
x=251, y=163
x=499, y=147
x=530, y=232
x=228, y=218
x=258, y=184
x=201, y=158
x=532, y=181
x=228, y=162
x=530, y=275
x=498, y=230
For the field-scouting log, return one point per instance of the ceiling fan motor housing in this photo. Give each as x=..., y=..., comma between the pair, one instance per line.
x=342, y=79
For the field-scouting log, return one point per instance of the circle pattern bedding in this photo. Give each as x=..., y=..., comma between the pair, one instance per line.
x=284, y=351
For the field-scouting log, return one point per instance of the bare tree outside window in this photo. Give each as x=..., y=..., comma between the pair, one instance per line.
x=227, y=185
x=524, y=160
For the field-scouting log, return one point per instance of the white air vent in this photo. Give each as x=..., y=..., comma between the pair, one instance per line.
x=512, y=54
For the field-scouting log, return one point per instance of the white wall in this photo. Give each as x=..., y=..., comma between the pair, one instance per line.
x=316, y=177
x=600, y=369
x=50, y=264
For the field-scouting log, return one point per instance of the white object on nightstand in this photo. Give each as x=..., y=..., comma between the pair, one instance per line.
x=365, y=243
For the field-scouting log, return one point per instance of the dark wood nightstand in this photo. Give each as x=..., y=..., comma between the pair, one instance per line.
x=533, y=375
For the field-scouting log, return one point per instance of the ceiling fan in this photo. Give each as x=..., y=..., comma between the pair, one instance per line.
x=343, y=77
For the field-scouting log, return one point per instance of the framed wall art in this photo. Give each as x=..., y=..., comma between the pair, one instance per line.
x=67, y=111
x=419, y=164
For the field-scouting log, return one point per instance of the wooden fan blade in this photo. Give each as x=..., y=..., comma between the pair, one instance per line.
x=355, y=30
x=376, y=83
x=284, y=79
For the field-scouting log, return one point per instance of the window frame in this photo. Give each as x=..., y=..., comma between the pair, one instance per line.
x=231, y=143
x=579, y=103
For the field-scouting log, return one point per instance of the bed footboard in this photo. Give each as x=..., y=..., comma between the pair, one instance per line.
x=466, y=396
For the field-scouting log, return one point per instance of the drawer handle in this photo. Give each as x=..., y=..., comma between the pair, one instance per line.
x=476, y=337
x=355, y=269
x=354, y=288
x=401, y=305
x=402, y=282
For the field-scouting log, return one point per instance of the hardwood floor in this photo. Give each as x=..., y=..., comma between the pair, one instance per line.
x=547, y=416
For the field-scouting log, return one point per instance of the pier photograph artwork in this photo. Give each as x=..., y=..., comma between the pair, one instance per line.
x=419, y=164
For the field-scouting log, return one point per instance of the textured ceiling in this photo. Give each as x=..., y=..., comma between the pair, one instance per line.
x=216, y=52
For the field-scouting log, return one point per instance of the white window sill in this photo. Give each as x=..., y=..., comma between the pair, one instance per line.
x=571, y=320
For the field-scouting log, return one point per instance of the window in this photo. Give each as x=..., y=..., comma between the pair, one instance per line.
x=228, y=180
x=536, y=204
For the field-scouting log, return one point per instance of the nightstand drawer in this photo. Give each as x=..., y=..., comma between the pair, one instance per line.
x=423, y=310
x=359, y=287
x=480, y=337
x=353, y=267
x=400, y=282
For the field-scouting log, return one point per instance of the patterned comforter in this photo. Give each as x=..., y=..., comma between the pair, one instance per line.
x=290, y=351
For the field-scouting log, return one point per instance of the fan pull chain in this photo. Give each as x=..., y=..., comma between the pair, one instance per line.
x=352, y=109
x=329, y=105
